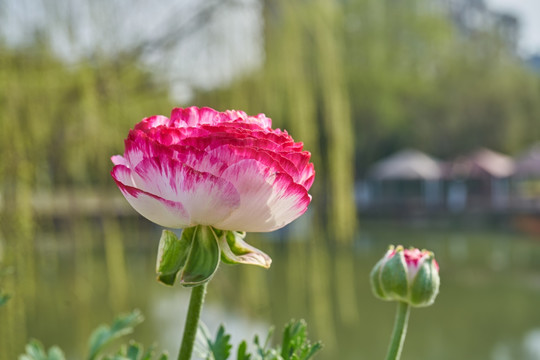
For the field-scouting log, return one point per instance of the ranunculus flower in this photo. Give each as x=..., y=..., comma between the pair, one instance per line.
x=407, y=275
x=226, y=169
x=217, y=175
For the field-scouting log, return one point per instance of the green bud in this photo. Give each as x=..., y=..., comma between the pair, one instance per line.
x=408, y=275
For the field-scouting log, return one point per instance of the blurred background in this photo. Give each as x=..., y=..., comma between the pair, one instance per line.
x=422, y=117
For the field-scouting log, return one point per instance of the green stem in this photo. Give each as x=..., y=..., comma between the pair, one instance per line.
x=192, y=321
x=400, y=330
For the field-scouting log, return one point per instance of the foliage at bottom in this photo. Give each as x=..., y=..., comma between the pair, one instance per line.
x=294, y=344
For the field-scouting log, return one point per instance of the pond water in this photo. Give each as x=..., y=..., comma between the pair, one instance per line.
x=83, y=275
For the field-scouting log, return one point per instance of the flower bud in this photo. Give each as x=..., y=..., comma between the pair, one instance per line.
x=408, y=275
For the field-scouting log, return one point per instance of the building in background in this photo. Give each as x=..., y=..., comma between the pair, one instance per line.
x=408, y=179
x=479, y=181
x=411, y=182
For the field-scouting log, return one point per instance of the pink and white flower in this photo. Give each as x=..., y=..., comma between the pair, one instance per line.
x=226, y=169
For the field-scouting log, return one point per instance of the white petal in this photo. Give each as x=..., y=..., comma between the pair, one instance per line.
x=206, y=198
x=118, y=160
x=268, y=201
x=163, y=212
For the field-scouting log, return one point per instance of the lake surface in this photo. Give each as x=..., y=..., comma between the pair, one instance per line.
x=82, y=275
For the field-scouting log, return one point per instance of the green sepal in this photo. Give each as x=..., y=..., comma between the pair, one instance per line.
x=234, y=250
x=425, y=286
x=394, y=279
x=375, y=277
x=172, y=254
x=203, y=258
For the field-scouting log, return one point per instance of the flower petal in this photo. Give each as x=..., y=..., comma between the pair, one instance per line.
x=152, y=122
x=232, y=154
x=118, y=160
x=268, y=200
x=308, y=176
x=156, y=209
x=139, y=146
x=206, y=198
x=193, y=116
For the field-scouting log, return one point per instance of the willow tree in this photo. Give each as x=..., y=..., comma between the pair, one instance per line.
x=59, y=126
x=303, y=88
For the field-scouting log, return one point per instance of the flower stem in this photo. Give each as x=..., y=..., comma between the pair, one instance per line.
x=400, y=330
x=192, y=321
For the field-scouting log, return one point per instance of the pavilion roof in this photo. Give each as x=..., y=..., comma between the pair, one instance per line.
x=407, y=164
x=480, y=164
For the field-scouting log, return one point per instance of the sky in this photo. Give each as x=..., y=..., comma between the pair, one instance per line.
x=213, y=49
x=528, y=13
x=22, y=13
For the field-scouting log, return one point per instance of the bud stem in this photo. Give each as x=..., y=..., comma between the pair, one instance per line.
x=400, y=330
x=192, y=321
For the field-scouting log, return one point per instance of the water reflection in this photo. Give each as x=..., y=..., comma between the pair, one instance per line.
x=165, y=312
x=89, y=271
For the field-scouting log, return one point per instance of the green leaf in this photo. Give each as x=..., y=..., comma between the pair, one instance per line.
x=221, y=346
x=172, y=254
x=295, y=345
x=203, y=258
x=149, y=354
x=55, y=353
x=263, y=350
x=134, y=351
x=36, y=351
x=213, y=349
x=242, y=352
x=99, y=339
x=294, y=335
x=104, y=334
x=234, y=250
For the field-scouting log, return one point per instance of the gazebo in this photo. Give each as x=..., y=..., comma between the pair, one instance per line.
x=408, y=178
x=480, y=179
x=408, y=164
x=482, y=163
